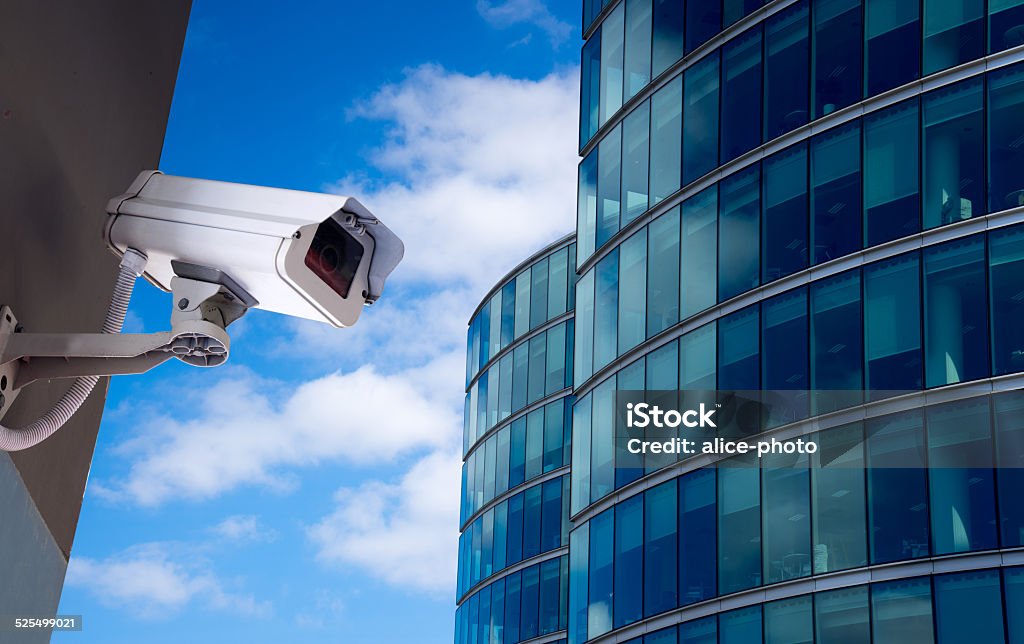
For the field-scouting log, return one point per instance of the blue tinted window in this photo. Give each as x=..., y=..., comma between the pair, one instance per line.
x=786, y=508
x=629, y=561
x=586, y=207
x=841, y=616
x=513, y=606
x=606, y=297
x=590, y=88
x=666, y=138
x=520, y=376
x=700, y=118
x=1014, y=592
x=529, y=622
x=517, y=453
x=599, y=619
x=699, y=252
x=785, y=218
x=612, y=35
x=697, y=364
x=891, y=201
x=531, y=521
x=968, y=607
x=551, y=515
x=901, y=611
x=786, y=72
x=893, y=34
x=960, y=477
x=583, y=357
x=635, y=162
x=515, y=529
x=701, y=631
x=484, y=602
x=580, y=472
x=955, y=312
x=554, y=414
x=1006, y=265
x=556, y=357
x=739, y=233
x=739, y=527
x=664, y=636
x=668, y=34
x=952, y=154
x=638, y=46
x=789, y=621
x=835, y=193
x=497, y=610
x=954, y=32
x=837, y=58
x=660, y=548
x=703, y=20
x=784, y=355
x=836, y=341
x=741, y=626
x=538, y=368
x=549, y=596
x=741, y=95
x=534, y=443
x=539, y=293
x=897, y=488
x=697, y=553
x=1008, y=409
x=663, y=272
x=500, y=536
x=508, y=313
x=579, y=558
x=602, y=456
x=1005, y=16
x=739, y=351
x=892, y=321
x=1005, y=129
x=839, y=521
x=733, y=10
x=633, y=290
x=609, y=173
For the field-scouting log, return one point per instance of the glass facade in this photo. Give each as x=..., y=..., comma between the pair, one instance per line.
x=822, y=197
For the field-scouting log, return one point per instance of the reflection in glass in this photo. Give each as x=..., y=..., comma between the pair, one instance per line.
x=836, y=193
x=741, y=95
x=952, y=153
x=893, y=34
x=891, y=200
x=786, y=73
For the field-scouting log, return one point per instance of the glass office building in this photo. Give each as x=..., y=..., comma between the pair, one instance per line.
x=813, y=196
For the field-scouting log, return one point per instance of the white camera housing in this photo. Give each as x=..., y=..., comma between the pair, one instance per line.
x=309, y=255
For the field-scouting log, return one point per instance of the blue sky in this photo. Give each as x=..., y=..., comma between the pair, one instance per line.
x=308, y=491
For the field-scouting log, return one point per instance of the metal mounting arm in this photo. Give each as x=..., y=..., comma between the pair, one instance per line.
x=198, y=336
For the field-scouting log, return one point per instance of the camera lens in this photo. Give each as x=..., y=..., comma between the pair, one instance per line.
x=334, y=256
x=329, y=259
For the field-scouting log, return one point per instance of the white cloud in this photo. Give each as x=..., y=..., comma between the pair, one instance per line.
x=244, y=527
x=405, y=533
x=146, y=580
x=512, y=12
x=240, y=436
x=483, y=172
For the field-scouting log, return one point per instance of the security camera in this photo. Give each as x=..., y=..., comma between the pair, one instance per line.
x=308, y=255
x=220, y=249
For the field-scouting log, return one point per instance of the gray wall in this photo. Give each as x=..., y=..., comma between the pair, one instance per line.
x=85, y=90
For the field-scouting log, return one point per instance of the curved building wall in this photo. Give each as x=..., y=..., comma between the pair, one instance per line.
x=822, y=196
x=513, y=570
x=817, y=196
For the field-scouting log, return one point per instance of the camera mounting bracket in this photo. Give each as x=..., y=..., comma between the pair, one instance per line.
x=198, y=336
